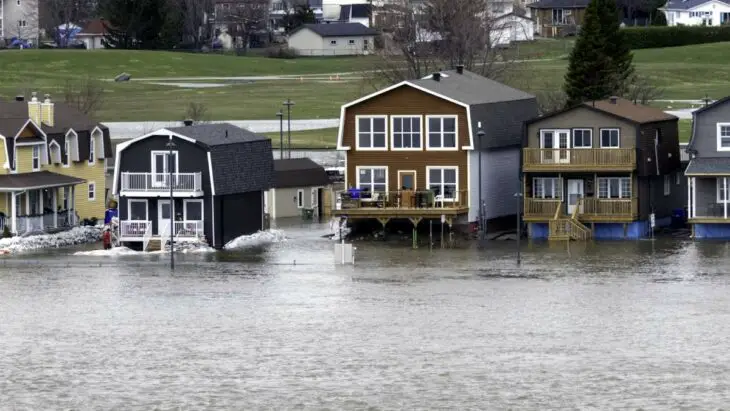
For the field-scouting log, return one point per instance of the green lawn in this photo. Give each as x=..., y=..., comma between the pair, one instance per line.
x=685, y=130
x=322, y=138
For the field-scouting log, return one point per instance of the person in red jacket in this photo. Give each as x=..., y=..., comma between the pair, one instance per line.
x=106, y=239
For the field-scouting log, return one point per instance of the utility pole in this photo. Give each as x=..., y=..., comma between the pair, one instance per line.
x=280, y=114
x=288, y=103
x=518, y=196
x=170, y=146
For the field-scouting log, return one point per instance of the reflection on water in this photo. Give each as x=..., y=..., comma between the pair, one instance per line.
x=582, y=325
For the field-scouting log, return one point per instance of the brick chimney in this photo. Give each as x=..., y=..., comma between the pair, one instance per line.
x=47, y=112
x=437, y=76
x=34, y=109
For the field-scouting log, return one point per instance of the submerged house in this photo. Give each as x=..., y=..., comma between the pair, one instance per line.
x=708, y=172
x=446, y=146
x=299, y=188
x=53, y=161
x=217, y=175
x=601, y=170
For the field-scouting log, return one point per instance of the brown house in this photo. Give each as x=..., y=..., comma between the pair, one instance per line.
x=601, y=169
x=558, y=18
x=415, y=150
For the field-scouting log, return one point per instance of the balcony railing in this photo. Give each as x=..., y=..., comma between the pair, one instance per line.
x=140, y=228
x=536, y=159
x=157, y=182
x=538, y=207
x=405, y=199
x=133, y=228
x=189, y=228
x=587, y=208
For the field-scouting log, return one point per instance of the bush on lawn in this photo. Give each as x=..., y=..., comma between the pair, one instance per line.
x=281, y=53
x=656, y=37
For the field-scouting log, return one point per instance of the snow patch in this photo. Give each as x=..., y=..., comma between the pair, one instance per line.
x=74, y=236
x=114, y=252
x=258, y=239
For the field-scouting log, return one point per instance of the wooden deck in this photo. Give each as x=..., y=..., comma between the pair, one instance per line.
x=413, y=205
x=590, y=210
x=579, y=159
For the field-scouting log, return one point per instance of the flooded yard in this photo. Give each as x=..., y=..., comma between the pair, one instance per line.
x=604, y=325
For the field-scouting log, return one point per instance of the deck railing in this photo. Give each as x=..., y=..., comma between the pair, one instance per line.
x=605, y=207
x=134, y=228
x=156, y=182
x=570, y=158
x=404, y=199
x=538, y=207
x=188, y=228
x=43, y=222
x=147, y=236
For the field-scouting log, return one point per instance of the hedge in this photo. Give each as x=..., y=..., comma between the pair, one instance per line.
x=665, y=36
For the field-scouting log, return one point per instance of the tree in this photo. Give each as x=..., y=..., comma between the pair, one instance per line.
x=141, y=24
x=600, y=63
x=197, y=112
x=64, y=14
x=85, y=94
x=299, y=14
x=244, y=18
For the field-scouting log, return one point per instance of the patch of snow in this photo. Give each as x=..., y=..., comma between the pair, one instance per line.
x=192, y=85
x=188, y=247
x=338, y=225
x=74, y=236
x=261, y=238
x=114, y=252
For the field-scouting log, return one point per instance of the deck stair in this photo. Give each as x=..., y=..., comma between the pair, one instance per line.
x=154, y=244
x=564, y=228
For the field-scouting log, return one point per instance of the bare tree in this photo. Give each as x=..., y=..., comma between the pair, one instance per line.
x=85, y=94
x=641, y=90
x=194, y=20
x=60, y=16
x=197, y=112
x=420, y=37
x=243, y=18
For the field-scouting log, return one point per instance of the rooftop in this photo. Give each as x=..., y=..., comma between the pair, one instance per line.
x=629, y=110
x=688, y=4
x=338, y=29
x=218, y=134
x=470, y=88
x=299, y=172
x=559, y=4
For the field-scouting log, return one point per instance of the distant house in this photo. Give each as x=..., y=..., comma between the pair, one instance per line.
x=92, y=34
x=299, y=185
x=335, y=39
x=557, y=18
x=356, y=13
x=218, y=174
x=511, y=27
x=697, y=12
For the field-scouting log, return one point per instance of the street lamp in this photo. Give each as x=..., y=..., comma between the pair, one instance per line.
x=482, y=226
x=280, y=114
x=288, y=103
x=518, y=196
x=170, y=145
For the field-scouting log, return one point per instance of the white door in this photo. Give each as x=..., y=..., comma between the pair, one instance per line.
x=559, y=142
x=161, y=167
x=163, y=216
x=575, y=192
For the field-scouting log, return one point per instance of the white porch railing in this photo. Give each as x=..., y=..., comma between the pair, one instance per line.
x=189, y=228
x=134, y=228
x=147, y=236
x=156, y=182
x=39, y=223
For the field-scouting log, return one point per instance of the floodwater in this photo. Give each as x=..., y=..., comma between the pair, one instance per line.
x=610, y=325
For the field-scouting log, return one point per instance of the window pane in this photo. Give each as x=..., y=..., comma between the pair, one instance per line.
x=613, y=188
x=365, y=175
x=379, y=175
x=194, y=210
x=406, y=124
x=416, y=124
x=397, y=125
x=363, y=139
x=547, y=140
x=379, y=187
x=434, y=175
x=364, y=124
x=537, y=188
x=450, y=176
x=434, y=124
x=449, y=140
x=138, y=210
x=450, y=124
x=626, y=187
x=603, y=188
x=434, y=139
x=379, y=125
x=379, y=140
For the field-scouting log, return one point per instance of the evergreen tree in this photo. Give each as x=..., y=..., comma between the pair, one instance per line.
x=140, y=24
x=601, y=62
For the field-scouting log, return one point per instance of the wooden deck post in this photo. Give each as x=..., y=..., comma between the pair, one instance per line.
x=40, y=205
x=415, y=221
x=13, y=213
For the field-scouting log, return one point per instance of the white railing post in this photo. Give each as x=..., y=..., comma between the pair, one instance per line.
x=146, y=182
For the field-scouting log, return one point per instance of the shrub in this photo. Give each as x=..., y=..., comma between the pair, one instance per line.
x=657, y=36
x=281, y=53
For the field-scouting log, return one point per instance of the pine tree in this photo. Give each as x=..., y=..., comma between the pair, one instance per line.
x=139, y=24
x=600, y=63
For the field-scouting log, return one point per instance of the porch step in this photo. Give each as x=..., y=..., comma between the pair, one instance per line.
x=565, y=229
x=154, y=245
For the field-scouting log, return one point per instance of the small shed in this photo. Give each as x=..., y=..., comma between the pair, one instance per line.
x=332, y=39
x=299, y=185
x=92, y=34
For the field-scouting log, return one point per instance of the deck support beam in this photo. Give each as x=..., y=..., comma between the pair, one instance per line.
x=415, y=221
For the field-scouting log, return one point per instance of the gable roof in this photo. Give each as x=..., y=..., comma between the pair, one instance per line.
x=688, y=4
x=559, y=4
x=470, y=88
x=701, y=110
x=299, y=172
x=622, y=109
x=94, y=27
x=708, y=166
x=338, y=29
x=217, y=134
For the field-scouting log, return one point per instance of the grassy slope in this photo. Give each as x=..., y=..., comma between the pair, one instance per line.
x=685, y=130
x=323, y=138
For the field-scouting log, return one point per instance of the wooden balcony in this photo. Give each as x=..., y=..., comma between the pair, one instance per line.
x=588, y=210
x=537, y=209
x=579, y=159
x=402, y=204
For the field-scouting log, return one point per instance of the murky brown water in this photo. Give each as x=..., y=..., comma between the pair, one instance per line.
x=612, y=325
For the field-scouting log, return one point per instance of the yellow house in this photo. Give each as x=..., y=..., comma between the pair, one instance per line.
x=53, y=161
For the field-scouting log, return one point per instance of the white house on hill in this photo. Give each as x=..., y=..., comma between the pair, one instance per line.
x=697, y=12
x=335, y=39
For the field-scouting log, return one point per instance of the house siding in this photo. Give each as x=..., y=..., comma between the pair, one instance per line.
x=668, y=149
x=286, y=201
x=95, y=173
x=309, y=43
x=231, y=208
x=500, y=181
x=583, y=118
x=704, y=138
x=406, y=100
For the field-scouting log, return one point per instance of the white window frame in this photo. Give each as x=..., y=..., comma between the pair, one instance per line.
x=392, y=133
x=620, y=188
x=372, y=138
x=92, y=151
x=55, y=159
x=720, y=137
x=35, y=156
x=194, y=200
x=442, y=168
x=138, y=200
x=719, y=188
x=618, y=136
x=667, y=185
x=333, y=42
x=572, y=137
x=428, y=132
x=165, y=153
x=91, y=191
x=300, y=198
x=557, y=185
x=357, y=176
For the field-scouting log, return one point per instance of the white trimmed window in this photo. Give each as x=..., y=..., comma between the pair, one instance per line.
x=610, y=138
x=667, y=185
x=300, y=198
x=372, y=179
x=614, y=187
x=582, y=138
x=442, y=132
x=36, y=158
x=92, y=150
x=547, y=188
x=443, y=182
x=371, y=133
x=55, y=151
x=92, y=191
x=722, y=195
x=723, y=136
x=67, y=148
x=406, y=132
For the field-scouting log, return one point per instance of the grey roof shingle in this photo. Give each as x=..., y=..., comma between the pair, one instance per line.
x=470, y=88
x=338, y=29
x=242, y=166
x=37, y=179
x=708, y=166
x=218, y=134
x=299, y=172
x=687, y=4
x=559, y=4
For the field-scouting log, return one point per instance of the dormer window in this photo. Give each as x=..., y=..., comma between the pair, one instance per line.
x=67, y=149
x=723, y=136
x=92, y=151
x=36, y=159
